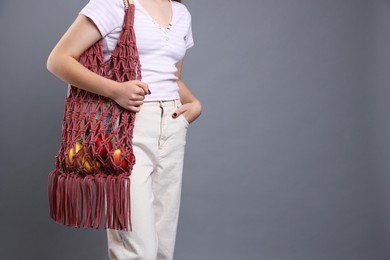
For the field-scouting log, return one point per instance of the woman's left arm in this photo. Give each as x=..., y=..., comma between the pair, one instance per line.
x=191, y=107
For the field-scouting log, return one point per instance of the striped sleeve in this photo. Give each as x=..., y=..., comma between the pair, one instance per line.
x=106, y=14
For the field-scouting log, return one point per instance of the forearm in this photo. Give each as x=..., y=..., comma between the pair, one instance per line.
x=71, y=71
x=185, y=94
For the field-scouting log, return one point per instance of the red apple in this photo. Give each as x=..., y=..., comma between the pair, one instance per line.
x=118, y=159
x=102, y=149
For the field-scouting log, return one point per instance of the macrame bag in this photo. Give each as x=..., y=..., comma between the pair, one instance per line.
x=95, y=159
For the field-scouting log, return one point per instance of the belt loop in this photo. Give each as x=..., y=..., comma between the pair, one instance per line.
x=161, y=103
x=176, y=103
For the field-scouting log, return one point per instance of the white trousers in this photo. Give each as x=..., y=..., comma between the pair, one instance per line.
x=156, y=181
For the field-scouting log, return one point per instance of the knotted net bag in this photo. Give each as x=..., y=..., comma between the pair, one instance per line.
x=95, y=159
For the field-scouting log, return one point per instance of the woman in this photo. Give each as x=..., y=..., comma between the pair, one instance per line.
x=164, y=108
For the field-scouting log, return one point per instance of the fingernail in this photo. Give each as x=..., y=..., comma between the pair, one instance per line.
x=174, y=115
x=149, y=91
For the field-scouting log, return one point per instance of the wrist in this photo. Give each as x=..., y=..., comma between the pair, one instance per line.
x=112, y=89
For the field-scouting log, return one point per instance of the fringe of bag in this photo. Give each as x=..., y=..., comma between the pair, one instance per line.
x=78, y=200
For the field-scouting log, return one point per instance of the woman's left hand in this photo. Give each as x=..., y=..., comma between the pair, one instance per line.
x=190, y=111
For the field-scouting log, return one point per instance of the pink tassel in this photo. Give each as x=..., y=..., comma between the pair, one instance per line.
x=99, y=180
x=110, y=202
x=127, y=204
x=77, y=197
x=60, y=199
x=52, y=187
x=116, y=205
x=88, y=201
x=68, y=199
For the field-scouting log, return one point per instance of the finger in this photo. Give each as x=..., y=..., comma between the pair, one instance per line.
x=144, y=86
x=138, y=91
x=178, y=111
x=134, y=108
x=136, y=103
x=137, y=97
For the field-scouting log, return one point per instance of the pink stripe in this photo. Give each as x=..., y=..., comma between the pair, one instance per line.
x=109, y=18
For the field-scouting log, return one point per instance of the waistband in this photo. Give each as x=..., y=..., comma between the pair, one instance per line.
x=162, y=103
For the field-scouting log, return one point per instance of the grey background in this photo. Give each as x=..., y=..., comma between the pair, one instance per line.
x=289, y=160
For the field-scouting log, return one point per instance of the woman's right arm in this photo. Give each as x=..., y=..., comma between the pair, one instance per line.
x=63, y=63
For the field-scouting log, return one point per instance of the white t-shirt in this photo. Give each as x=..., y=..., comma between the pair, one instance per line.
x=159, y=48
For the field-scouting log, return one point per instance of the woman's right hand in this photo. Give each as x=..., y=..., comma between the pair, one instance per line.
x=131, y=94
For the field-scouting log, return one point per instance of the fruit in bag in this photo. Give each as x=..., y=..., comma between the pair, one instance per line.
x=73, y=151
x=118, y=159
x=87, y=164
x=103, y=148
